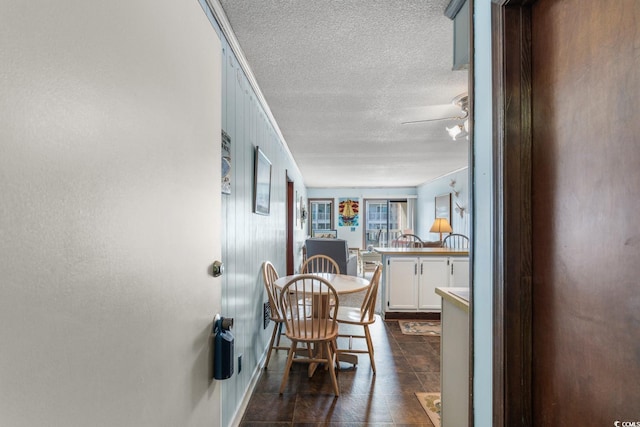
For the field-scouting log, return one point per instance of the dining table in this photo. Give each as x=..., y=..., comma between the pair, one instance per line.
x=343, y=284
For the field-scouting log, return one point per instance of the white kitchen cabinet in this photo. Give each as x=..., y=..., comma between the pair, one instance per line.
x=434, y=273
x=402, y=270
x=459, y=269
x=410, y=281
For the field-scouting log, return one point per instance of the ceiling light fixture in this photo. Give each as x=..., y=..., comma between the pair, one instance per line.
x=459, y=130
x=454, y=131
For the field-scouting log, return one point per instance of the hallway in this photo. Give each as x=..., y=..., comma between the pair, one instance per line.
x=406, y=364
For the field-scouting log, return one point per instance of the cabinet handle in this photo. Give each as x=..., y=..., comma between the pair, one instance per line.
x=415, y=269
x=421, y=269
x=452, y=269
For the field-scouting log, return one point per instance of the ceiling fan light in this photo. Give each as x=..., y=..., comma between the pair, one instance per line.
x=454, y=131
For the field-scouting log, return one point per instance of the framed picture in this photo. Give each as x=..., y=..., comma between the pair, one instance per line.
x=261, y=183
x=226, y=163
x=327, y=234
x=443, y=207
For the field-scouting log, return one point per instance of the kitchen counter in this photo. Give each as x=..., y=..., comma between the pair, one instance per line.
x=458, y=297
x=454, y=356
x=423, y=251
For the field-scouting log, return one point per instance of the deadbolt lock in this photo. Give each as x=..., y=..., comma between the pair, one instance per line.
x=218, y=268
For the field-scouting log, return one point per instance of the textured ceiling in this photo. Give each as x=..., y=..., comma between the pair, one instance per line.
x=341, y=76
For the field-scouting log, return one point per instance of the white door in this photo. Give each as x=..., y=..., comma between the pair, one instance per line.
x=402, y=283
x=434, y=273
x=459, y=272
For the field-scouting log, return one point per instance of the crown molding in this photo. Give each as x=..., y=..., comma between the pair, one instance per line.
x=225, y=26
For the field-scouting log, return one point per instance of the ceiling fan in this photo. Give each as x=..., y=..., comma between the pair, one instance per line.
x=461, y=101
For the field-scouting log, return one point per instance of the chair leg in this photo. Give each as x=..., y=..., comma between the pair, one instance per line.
x=279, y=327
x=332, y=368
x=273, y=337
x=285, y=376
x=367, y=335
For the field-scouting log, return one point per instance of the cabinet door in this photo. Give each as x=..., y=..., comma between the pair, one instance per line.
x=402, y=283
x=459, y=272
x=434, y=273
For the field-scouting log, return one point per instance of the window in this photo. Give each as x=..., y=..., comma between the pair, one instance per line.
x=386, y=220
x=320, y=214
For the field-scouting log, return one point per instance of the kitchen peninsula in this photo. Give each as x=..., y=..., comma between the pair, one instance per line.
x=410, y=277
x=454, y=356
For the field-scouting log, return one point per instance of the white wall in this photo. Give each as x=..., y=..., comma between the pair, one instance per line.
x=110, y=171
x=353, y=235
x=427, y=193
x=483, y=217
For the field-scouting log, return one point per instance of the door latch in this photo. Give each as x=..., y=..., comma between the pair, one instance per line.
x=218, y=268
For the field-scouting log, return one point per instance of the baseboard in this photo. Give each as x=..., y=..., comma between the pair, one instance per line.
x=402, y=315
x=255, y=376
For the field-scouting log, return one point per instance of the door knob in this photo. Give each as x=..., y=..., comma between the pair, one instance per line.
x=218, y=268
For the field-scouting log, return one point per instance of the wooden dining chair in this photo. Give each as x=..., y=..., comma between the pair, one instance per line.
x=407, y=241
x=270, y=275
x=362, y=316
x=318, y=329
x=456, y=241
x=320, y=264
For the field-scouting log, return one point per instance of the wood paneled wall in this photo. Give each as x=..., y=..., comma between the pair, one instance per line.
x=249, y=239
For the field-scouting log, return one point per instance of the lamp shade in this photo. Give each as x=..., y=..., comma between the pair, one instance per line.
x=441, y=225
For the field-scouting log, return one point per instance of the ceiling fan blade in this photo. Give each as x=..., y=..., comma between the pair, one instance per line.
x=464, y=116
x=429, y=120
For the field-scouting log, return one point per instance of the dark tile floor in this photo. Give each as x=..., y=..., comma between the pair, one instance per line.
x=405, y=364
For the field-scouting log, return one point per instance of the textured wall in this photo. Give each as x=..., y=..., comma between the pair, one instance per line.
x=109, y=160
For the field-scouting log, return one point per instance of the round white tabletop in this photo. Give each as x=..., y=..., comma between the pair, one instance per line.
x=343, y=283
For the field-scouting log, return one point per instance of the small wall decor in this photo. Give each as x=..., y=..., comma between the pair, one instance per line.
x=460, y=208
x=261, y=183
x=226, y=163
x=297, y=202
x=452, y=184
x=303, y=212
x=348, y=212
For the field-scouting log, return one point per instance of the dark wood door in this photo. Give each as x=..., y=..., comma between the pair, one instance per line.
x=567, y=304
x=585, y=207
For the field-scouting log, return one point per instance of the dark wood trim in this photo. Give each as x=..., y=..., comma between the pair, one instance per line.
x=511, y=47
x=415, y=315
x=291, y=203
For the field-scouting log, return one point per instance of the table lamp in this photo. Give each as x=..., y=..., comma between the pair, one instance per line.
x=441, y=225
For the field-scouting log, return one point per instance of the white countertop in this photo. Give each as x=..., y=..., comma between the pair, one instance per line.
x=459, y=297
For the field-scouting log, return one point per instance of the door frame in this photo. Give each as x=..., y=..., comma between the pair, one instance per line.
x=290, y=205
x=512, y=137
